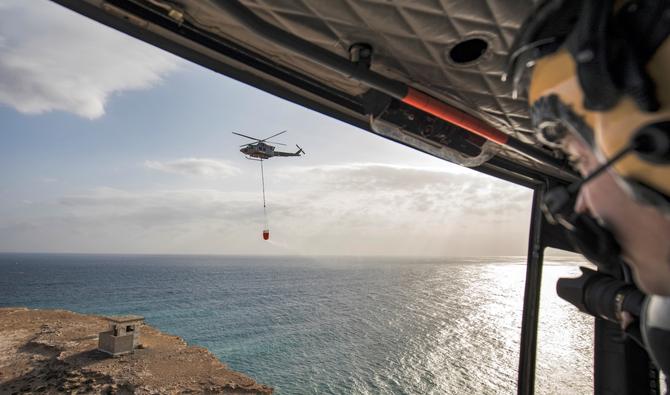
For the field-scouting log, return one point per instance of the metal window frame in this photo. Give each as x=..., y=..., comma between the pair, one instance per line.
x=621, y=366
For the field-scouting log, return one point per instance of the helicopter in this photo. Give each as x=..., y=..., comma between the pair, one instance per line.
x=261, y=149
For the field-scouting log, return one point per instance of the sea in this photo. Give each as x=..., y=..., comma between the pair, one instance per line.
x=331, y=325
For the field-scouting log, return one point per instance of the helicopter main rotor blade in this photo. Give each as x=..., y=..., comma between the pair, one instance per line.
x=249, y=137
x=246, y=145
x=274, y=135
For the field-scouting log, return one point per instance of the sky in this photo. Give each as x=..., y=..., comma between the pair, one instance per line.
x=110, y=145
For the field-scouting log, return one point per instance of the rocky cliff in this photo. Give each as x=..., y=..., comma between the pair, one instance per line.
x=54, y=351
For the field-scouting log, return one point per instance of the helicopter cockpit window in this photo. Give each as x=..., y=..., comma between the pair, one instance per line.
x=357, y=266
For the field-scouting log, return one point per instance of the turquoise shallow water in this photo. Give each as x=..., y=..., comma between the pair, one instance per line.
x=329, y=325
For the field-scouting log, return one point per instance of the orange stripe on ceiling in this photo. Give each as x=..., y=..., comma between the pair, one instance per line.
x=452, y=115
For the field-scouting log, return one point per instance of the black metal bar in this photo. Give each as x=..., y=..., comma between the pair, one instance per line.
x=311, y=51
x=531, y=299
x=537, y=154
x=166, y=40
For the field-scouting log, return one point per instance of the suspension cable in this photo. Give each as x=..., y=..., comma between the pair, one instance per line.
x=265, y=213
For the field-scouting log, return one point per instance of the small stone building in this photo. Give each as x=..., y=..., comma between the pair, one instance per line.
x=123, y=335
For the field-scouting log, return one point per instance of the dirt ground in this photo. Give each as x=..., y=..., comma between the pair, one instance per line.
x=54, y=351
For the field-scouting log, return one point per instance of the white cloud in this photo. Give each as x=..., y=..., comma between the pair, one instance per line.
x=403, y=194
x=53, y=59
x=376, y=176
x=159, y=208
x=195, y=167
x=356, y=209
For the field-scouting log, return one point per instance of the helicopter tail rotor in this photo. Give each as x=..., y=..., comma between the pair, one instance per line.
x=300, y=150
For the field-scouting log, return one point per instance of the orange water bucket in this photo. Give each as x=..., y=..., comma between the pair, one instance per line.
x=266, y=234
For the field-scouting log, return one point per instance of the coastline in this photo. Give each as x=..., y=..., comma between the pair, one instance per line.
x=55, y=351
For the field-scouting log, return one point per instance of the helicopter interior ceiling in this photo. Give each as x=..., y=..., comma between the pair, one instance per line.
x=453, y=50
x=413, y=41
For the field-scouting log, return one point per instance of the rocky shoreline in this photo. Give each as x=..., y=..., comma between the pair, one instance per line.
x=55, y=351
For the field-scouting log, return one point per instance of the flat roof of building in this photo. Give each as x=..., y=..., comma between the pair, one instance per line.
x=122, y=319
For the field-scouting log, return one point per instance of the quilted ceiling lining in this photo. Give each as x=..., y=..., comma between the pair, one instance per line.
x=411, y=42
